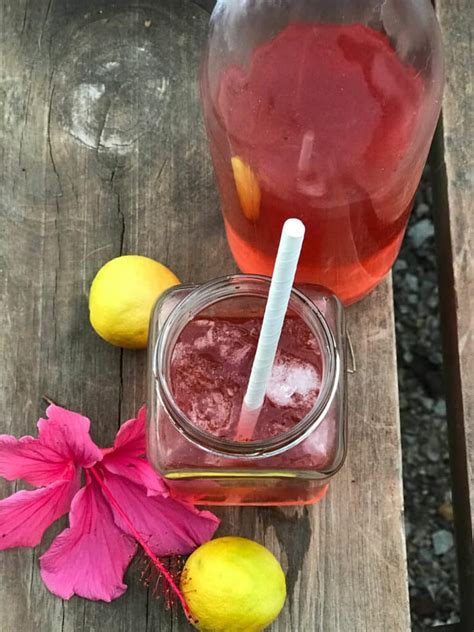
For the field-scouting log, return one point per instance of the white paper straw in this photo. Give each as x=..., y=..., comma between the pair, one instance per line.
x=275, y=310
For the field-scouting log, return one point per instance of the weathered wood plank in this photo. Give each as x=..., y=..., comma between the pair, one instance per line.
x=454, y=189
x=102, y=153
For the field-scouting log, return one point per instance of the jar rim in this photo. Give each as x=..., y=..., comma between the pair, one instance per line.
x=210, y=293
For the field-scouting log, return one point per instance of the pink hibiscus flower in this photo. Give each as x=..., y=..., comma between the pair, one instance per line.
x=123, y=502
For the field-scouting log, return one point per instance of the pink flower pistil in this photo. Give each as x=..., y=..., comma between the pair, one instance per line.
x=123, y=503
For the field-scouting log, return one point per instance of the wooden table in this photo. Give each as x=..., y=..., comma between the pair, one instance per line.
x=103, y=153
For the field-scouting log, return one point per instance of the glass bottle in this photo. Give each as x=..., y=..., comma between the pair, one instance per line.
x=323, y=110
x=292, y=467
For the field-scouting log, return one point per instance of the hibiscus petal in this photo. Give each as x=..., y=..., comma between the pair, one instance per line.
x=125, y=458
x=26, y=515
x=136, y=470
x=168, y=526
x=67, y=434
x=27, y=458
x=131, y=436
x=89, y=558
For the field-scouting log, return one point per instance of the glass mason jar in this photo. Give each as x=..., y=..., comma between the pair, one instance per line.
x=290, y=468
x=322, y=110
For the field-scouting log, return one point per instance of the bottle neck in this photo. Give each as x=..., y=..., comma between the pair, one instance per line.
x=244, y=287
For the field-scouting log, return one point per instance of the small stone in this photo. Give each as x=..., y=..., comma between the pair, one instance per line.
x=422, y=209
x=443, y=541
x=147, y=24
x=432, y=449
x=400, y=265
x=411, y=282
x=446, y=511
x=436, y=357
x=420, y=232
x=428, y=285
x=439, y=408
x=424, y=605
x=427, y=403
x=426, y=555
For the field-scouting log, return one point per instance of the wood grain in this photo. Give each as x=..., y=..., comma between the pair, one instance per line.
x=453, y=177
x=103, y=153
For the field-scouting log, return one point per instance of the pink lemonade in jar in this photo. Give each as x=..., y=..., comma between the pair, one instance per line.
x=201, y=363
x=210, y=370
x=320, y=124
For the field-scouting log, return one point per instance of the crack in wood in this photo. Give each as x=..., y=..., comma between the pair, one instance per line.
x=48, y=133
x=120, y=393
x=25, y=15
x=122, y=238
x=48, y=10
x=32, y=575
x=55, y=293
x=163, y=165
x=57, y=215
x=101, y=127
x=147, y=610
x=120, y=213
x=27, y=106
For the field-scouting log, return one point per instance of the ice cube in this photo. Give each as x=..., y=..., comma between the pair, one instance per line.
x=226, y=339
x=207, y=339
x=293, y=383
x=212, y=412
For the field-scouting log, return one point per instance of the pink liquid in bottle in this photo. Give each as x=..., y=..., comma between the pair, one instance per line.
x=323, y=121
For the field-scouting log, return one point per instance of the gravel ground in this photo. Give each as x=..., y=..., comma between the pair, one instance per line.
x=428, y=508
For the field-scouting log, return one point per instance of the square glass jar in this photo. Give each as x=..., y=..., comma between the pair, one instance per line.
x=290, y=468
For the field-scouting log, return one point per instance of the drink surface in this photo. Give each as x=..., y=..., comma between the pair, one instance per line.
x=319, y=125
x=211, y=364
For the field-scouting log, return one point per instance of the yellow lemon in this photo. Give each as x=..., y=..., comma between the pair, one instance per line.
x=248, y=188
x=233, y=584
x=122, y=297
